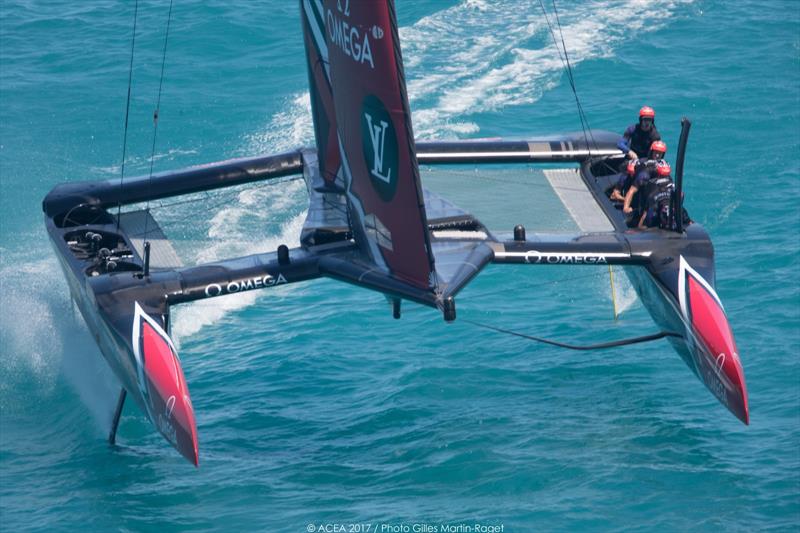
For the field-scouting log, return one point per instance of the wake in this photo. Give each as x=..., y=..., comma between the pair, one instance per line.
x=43, y=339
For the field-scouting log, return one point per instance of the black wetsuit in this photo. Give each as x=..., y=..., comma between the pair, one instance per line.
x=638, y=140
x=658, y=193
x=644, y=173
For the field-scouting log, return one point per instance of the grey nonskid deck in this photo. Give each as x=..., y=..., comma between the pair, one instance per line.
x=162, y=254
x=578, y=200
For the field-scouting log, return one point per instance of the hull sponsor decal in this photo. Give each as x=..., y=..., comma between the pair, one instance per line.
x=535, y=257
x=249, y=284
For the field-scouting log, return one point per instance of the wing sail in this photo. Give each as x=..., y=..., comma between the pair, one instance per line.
x=375, y=138
x=321, y=94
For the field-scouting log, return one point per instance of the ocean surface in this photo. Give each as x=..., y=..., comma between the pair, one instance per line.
x=317, y=410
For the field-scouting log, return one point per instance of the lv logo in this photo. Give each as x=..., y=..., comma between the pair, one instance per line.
x=378, y=135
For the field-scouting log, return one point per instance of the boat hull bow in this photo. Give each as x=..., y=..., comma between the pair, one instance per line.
x=710, y=339
x=162, y=385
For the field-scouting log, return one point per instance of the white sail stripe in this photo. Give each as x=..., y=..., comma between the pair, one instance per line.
x=319, y=36
x=318, y=33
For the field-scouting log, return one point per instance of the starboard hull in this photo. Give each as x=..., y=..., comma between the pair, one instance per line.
x=676, y=286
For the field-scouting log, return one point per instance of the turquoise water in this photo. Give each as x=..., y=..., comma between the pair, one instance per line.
x=314, y=405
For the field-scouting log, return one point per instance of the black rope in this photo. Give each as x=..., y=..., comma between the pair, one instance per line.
x=585, y=347
x=127, y=108
x=155, y=120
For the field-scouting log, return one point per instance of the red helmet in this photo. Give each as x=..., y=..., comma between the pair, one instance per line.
x=631, y=166
x=663, y=169
x=647, y=112
x=659, y=146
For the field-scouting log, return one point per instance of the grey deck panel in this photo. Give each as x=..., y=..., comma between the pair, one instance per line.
x=578, y=201
x=162, y=254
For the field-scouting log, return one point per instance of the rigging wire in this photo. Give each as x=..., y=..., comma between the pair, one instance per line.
x=581, y=113
x=579, y=347
x=127, y=108
x=572, y=82
x=155, y=119
x=565, y=62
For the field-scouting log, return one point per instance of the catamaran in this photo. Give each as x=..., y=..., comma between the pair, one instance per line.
x=370, y=223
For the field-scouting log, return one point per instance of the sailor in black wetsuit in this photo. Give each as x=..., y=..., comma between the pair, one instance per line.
x=635, y=166
x=645, y=169
x=658, y=192
x=637, y=139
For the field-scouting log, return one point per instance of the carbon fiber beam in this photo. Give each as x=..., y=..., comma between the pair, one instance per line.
x=174, y=183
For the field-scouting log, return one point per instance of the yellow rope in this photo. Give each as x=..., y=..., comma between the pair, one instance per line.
x=613, y=292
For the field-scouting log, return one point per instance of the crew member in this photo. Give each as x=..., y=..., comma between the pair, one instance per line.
x=638, y=137
x=657, y=150
x=639, y=171
x=658, y=193
x=645, y=170
x=624, y=182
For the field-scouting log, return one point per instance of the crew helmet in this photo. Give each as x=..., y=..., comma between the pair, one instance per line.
x=631, y=167
x=659, y=146
x=663, y=169
x=647, y=112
